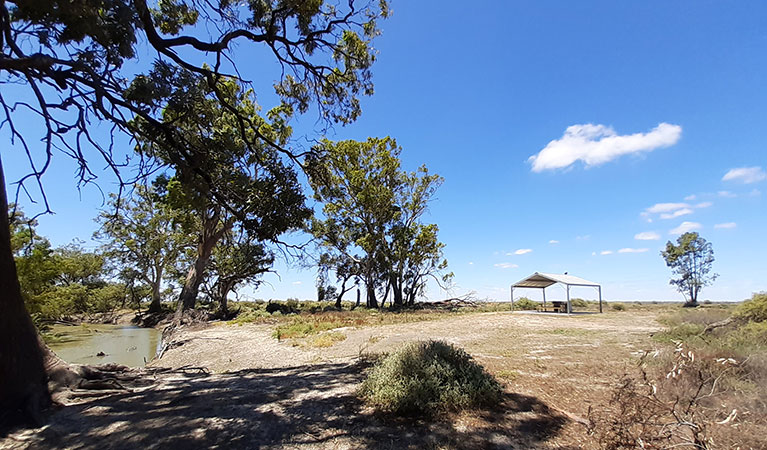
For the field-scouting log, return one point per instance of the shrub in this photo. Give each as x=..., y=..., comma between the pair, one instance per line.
x=753, y=310
x=579, y=303
x=525, y=304
x=428, y=378
x=618, y=307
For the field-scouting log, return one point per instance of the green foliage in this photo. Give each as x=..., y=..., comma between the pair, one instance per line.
x=525, y=304
x=61, y=282
x=754, y=309
x=691, y=260
x=143, y=239
x=429, y=378
x=618, y=307
x=372, y=212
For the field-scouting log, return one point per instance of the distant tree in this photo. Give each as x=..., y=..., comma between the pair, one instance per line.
x=143, y=236
x=239, y=258
x=691, y=260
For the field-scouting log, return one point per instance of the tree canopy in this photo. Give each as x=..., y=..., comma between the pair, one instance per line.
x=372, y=226
x=691, y=260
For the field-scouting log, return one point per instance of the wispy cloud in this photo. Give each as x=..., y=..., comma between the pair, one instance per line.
x=672, y=210
x=647, y=236
x=665, y=207
x=598, y=144
x=606, y=252
x=553, y=241
x=632, y=250
x=506, y=265
x=297, y=283
x=684, y=227
x=677, y=213
x=745, y=175
x=471, y=263
x=690, y=198
x=726, y=194
x=523, y=251
x=726, y=226
x=585, y=237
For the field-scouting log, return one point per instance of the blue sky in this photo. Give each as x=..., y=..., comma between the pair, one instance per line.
x=573, y=136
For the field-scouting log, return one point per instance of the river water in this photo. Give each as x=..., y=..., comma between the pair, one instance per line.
x=101, y=344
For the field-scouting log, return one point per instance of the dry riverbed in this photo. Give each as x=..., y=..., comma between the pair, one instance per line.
x=236, y=386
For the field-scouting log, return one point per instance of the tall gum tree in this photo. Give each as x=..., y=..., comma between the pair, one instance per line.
x=372, y=219
x=143, y=234
x=65, y=62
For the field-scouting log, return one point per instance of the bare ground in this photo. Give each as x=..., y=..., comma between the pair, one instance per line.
x=262, y=393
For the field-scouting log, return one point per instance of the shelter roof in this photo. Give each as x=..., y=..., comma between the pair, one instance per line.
x=544, y=280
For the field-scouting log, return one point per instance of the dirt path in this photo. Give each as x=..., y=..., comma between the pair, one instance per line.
x=269, y=394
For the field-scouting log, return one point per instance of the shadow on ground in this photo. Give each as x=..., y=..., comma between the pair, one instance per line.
x=311, y=406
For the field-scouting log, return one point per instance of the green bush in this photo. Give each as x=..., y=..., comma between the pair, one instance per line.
x=754, y=310
x=525, y=304
x=618, y=307
x=428, y=378
x=579, y=303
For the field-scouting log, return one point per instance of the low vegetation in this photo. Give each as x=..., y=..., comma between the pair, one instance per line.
x=429, y=378
x=705, y=390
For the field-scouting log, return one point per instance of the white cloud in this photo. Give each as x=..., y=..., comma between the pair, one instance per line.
x=585, y=237
x=506, y=265
x=690, y=198
x=755, y=193
x=606, y=252
x=684, y=227
x=632, y=250
x=598, y=144
x=471, y=263
x=593, y=253
x=553, y=241
x=677, y=213
x=647, y=236
x=726, y=194
x=523, y=251
x=703, y=205
x=726, y=226
x=745, y=175
x=296, y=282
x=665, y=207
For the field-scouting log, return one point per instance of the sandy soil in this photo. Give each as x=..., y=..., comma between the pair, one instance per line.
x=261, y=393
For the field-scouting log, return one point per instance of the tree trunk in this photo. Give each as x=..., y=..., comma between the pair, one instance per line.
x=358, y=299
x=156, y=306
x=23, y=381
x=210, y=237
x=340, y=295
x=188, y=297
x=397, y=292
x=371, y=296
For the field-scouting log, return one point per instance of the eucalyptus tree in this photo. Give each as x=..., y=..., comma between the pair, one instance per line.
x=145, y=235
x=262, y=192
x=73, y=65
x=371, y=224
x=237, y=260
x=691, y=260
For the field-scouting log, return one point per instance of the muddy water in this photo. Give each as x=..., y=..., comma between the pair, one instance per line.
x=100, y=344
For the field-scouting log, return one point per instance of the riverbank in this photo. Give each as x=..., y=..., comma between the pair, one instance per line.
x=235, y=385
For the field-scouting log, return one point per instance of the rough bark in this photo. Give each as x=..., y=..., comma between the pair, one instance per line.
x=23, y=381
x=208, y=240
